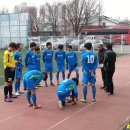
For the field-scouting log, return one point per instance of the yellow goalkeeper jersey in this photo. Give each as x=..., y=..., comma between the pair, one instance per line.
x=8, y=59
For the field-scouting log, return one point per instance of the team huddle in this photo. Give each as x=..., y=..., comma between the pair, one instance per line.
x=67, y=88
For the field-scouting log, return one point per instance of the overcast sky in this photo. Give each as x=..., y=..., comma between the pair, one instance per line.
x=112, y=8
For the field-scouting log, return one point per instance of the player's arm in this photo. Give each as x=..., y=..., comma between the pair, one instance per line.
x=66, y=62
x=76, y=60
x=43, y=56
x=95, y=63
x=106, y=59
x=6, y=62
x=26, y=59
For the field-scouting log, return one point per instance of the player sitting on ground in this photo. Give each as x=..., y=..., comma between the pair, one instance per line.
x=66, y=88
x=30, y=80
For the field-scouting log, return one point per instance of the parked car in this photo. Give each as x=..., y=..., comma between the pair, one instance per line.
x=76, y=43
x=64, y=41
x=95, y=44
x=43, y=44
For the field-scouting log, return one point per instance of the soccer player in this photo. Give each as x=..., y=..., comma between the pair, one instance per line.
x=89, y=65
x=9, y=72
x=72, y=62
x=30, y=60
x=66, y=88
x=60, y=61
x=30, y=80
x=18, y=71
x=47, y=58
x=38, y=56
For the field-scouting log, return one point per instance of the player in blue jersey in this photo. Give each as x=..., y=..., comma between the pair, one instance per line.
x=47, y=58
x=18, y=71
x=60, y=61
x=30, y=80
x=89, y=65
x=71, y=62
x=38, y=57
x=30, y=60
x=65, y=89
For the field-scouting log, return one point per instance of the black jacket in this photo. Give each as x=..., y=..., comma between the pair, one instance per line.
x=101, y=54
x=109, y=60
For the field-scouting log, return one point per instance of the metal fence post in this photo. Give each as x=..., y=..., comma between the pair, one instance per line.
x=122, y=43
x=78, y=43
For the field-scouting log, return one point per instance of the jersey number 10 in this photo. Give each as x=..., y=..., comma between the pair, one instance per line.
x=90, y=58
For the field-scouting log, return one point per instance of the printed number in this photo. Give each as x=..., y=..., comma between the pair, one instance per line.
x=90, y=59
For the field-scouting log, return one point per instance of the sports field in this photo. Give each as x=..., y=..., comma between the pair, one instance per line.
x=107, y=113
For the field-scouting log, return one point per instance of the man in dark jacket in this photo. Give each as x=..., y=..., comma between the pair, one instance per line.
x=109, y=66
x=101, y=53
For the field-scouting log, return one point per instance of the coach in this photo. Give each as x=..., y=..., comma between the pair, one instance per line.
x=109, y=66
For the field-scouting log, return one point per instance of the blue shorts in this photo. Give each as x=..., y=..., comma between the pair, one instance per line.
x=87, y=78
x=62, y=96
x=72, y=68
x=48, y=67
x=18, y=74
x=60, y=68
x=31, y=67
x=38, y=68
x=29, y=84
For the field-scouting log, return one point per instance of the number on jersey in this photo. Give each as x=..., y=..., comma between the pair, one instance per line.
x=90, y=58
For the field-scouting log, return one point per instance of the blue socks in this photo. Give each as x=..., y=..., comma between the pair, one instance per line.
x=68, y=76
x=63, y=75
x=85, y=92
x=77, y=75
x=57, y=76
x=94, y=92
x=34, y=99
x=51, y=76
x=17, y=86
x=28, y=95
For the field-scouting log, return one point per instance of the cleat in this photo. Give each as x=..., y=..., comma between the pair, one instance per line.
x=84, y=101
x=17, y=94
x=37, y=107
x=74, y=103
x=13, y=96
x=60, y=105
x=8, y=100
x=30, y=105
x=102, y=87
x=94, y=100
x=58, y=83
x=52, y=84
x=107, y=93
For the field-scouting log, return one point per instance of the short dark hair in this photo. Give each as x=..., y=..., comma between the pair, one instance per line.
x=88, y=45
x=109, y=46
x=18, y=45
x=37, y=49
x=69, y=46
x=32, y=44
x=48, y=44
x=13, y=45
x=75, y=80
x=60, y=46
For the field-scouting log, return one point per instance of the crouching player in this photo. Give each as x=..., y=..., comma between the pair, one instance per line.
x=66, y=88
x=30, y=80
x=89, y=65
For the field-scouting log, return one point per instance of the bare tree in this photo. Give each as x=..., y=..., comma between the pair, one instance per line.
x=52, y=15
x=4, y=11
x=42, y=13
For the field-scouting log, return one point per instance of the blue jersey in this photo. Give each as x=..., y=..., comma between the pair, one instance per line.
x=47, y=56
x=67, y=86
x=30, y=58
x=89, y=62
x=18, y=57
x=71, y=59
x=38, y=66
x=34, y=75
x=60, y=57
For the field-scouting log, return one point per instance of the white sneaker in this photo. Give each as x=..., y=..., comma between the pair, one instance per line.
x=17, y=94
x=60, y=105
